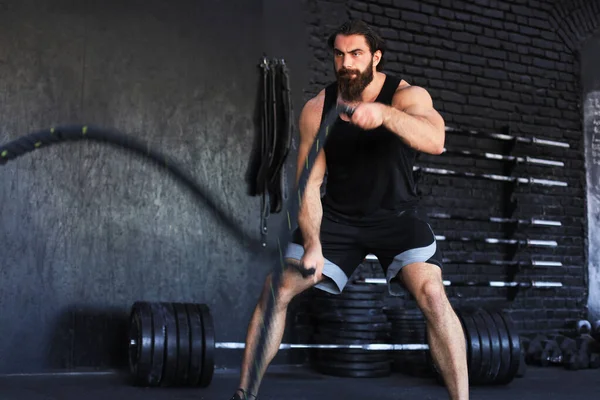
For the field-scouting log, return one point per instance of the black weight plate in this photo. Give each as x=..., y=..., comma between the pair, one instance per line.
x=376, y=327
x=183, y=344
x=350, y=373
x=208, y=363
x=365, y=356
x=486, y=348
x=327, y=339
x=350, y=296
x=170, y=367
x=196, y=344
x=358, y=366
x=347, y=311
x=496, y=348
x=159, y=331
x=339, y=303
x=352, y=334
x=363, y=288
x=334, y=317
x=141, y=345
x=505, y=345
x=473, y=347
x=515, y=347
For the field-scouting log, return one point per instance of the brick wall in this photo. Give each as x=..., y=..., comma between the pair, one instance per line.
x=491, y=66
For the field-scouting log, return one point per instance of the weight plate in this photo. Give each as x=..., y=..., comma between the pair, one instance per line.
x=348, y=311
x=363, y=288
x=196, y=344
x=473, y=346
x=357, y=366
x=160, y=339
x=326, y=339
x=170, y=367
x=377, y=327
x=350, y=296
x=141, y=345
x=515, y=347
x=350, y=334
x=364, y=356
x=505, y=346
x=334, y=317
x=340, y=303
x=495, y=347
x=376, y=373
x=486, y=349
x=208, y=363
x=183, y=344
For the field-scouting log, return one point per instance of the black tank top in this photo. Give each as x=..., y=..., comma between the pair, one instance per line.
x=368, y=172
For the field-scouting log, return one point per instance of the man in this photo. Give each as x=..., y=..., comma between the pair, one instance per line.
x=370, y=204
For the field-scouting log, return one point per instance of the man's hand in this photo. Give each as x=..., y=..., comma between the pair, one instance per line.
x=313, y=258
x=368, y=115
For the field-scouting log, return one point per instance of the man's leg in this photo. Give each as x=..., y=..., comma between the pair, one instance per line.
x=292, y=284
x=444, y=330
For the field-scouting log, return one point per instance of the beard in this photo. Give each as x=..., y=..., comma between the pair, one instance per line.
x=351, y=87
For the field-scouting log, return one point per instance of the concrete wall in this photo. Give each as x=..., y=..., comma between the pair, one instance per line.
x=86, y=229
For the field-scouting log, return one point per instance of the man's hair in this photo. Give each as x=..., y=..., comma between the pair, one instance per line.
x=358, y=27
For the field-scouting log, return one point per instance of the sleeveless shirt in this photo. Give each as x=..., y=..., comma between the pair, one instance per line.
x=368, y=171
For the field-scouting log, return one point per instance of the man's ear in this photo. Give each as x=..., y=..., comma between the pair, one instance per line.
x=376, y=58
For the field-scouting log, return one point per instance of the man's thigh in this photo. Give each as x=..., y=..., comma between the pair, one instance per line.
x=342, y=251
x=405, y=239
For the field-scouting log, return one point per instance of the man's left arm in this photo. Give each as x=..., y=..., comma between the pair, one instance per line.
x=411, y=116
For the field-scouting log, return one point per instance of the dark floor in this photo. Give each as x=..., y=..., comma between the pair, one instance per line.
x=298, y=383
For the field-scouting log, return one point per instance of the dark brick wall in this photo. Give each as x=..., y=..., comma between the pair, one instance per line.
x=490, y=66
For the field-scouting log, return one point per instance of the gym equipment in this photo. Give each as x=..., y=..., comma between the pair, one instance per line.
x=530, y=284
x=510, y=263
x=531, y=221
x=173, y=344
x=504, y=157
x=493, y=177
x=503, y=136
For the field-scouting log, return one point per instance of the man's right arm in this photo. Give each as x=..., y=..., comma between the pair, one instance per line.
x=311, y=211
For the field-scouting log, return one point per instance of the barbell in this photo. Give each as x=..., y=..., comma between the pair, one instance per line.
x=173, y=344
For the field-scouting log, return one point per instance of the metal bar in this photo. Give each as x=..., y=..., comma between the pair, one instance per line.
x=504, y=157
x=499, y=220
x=493, y=177
x=510, y=263
x=527, y=242
x=501, y=136
x=538, y=284
x=371, y=346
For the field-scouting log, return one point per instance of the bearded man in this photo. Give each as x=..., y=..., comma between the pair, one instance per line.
x=370, y=205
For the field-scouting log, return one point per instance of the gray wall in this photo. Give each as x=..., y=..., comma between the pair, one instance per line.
x=590, y=76
x=87, y=229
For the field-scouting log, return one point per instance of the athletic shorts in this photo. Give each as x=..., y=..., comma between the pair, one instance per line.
x=397, y=239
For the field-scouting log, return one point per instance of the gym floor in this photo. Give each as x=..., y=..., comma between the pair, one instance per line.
x=299, y=383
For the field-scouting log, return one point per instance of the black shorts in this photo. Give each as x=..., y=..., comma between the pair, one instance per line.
x=397, y=239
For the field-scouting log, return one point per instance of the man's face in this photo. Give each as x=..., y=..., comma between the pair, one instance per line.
x=353, y=65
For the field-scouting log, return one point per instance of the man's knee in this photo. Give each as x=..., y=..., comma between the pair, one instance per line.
x=290, y=285
x=432, y=299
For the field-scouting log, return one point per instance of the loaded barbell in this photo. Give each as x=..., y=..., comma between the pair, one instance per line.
x=173, y=344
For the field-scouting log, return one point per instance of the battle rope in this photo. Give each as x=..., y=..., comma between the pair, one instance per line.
x=45, y=138
x=285, y=237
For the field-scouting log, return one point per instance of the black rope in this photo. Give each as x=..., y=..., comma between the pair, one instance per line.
x=293, y=208
x=46, y=138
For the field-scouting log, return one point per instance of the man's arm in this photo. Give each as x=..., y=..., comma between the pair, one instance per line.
x=411, y=116
x=311, y=211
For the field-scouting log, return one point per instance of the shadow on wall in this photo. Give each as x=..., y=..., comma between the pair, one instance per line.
x=79, y=339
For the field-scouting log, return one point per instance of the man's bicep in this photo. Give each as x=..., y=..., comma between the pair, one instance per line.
x=417, y=102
